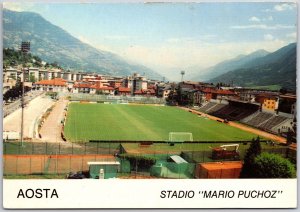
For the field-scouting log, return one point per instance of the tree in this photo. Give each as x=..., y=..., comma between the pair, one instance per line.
x=248, y=167
x=15, y=92
x=32, y=78
x=273, y=166
x=55, y=65
x=283, y=90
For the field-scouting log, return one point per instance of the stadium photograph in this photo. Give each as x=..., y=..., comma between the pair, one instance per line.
x=149, y=91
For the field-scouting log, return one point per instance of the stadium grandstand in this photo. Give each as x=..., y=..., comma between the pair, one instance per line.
x=235, y=110
x=258, y=119
x=269, y=122
x=250, y=114
x=205, y=108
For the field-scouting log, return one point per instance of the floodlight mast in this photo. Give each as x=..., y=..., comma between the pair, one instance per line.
x=22, y=108
x=25, y=48
x=182, y=73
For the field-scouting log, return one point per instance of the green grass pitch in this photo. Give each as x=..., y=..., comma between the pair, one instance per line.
x=143, y=122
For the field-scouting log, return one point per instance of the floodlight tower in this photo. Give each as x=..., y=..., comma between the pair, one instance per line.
x=25, y=48
x=182, y=73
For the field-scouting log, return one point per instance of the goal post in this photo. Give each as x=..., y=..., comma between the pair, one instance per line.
x=180, y=136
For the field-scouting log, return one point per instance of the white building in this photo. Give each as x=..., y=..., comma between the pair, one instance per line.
x=55, y=85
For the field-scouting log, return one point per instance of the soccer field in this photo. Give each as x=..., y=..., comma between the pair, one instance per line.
x=143, y=122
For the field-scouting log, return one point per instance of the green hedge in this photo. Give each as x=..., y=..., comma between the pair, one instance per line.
x=268, y=165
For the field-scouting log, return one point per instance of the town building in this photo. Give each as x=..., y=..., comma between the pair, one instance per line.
x=288, y=104
x=145, y=92
x=55, y=85
x=268, y=101
x=123, y=91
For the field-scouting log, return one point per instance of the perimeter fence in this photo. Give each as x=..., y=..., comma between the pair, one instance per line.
x=137, y=159
x=58, y=148
x=115, y=99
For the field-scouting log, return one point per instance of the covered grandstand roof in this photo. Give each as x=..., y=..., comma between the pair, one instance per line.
x=242, y=101
x=288, y=96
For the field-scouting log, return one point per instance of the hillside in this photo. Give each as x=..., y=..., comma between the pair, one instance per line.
x=53, y=44
x=275, y=69
x=226, y=66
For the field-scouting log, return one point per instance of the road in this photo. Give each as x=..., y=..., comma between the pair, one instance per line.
x=34, y=109
x=51, y=129
x=11, y=107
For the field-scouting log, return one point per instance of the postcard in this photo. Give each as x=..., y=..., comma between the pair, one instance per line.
x=149, y=105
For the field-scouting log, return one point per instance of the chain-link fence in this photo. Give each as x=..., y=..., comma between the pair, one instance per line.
x=48, y=148
x=115, y=99
x=135, y=160
x=206, y=156
x=49, y=164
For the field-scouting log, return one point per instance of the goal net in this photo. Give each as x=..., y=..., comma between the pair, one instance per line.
x=180, y=136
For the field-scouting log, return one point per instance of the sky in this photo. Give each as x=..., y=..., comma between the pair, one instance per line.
x=170, y=37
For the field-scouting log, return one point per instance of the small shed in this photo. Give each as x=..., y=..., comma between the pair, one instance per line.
x=177, y=159
x=219, y=170
x=103, y=169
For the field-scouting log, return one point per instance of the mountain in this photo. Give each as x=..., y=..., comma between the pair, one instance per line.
x=275, y=69
x=53, y=44
x=193, y=71
x=227, y=65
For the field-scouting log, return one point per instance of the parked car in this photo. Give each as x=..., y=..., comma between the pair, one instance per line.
x=78, y=175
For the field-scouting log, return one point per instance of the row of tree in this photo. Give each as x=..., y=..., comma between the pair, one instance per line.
x=15, y=92
x=14, y=58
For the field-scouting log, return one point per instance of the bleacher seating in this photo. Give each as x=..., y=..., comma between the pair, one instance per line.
x=239, y=114
x=272, y=122
x=233, y=112
x=246, y=113
x=207, y=107
x=215, y=108
x=223, y=112
x=259, y=118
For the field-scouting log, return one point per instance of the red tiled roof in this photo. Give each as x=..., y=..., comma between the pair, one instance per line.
x=94, y=86
x=97, y=87
x=267, y=95
x=222, y=92
x=83, y=85
x=55, y=81
x=105, y=88
x=138, y=92
x=124, y=89
x=207, y=90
